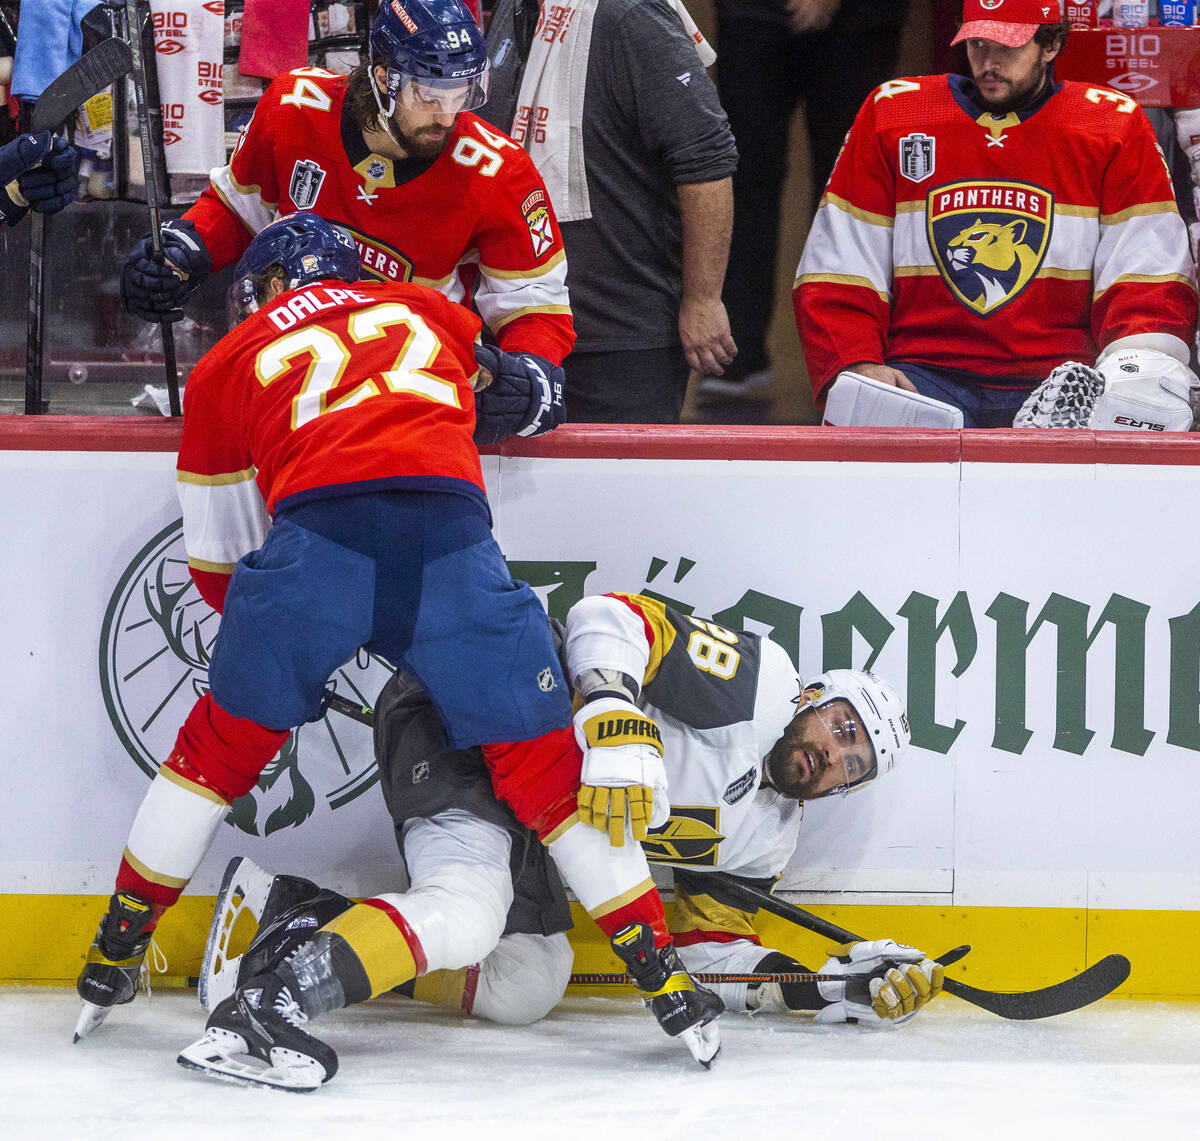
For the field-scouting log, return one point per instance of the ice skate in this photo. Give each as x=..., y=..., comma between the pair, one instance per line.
x=289, y=911
x=255, y=1036
x=114, y=960
x=683, y=1008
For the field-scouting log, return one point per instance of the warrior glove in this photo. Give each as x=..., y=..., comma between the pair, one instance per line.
x=39, y=171
x=524, y=398
x=623, y=775
x=884, y=982
x=157, y=292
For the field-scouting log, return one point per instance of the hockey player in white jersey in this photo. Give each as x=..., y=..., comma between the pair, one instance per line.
x=743, y=744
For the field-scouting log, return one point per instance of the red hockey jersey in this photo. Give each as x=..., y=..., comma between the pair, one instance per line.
x=329, y=387
x=481, y=204
x=998, y=246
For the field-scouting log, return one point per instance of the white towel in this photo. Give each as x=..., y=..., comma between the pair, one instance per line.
x=189, y=36
x=549, y=118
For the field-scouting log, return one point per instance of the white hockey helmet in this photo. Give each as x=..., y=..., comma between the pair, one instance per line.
x=878, y=706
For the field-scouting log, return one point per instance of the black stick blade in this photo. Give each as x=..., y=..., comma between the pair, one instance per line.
x=1098, y=980
x=87, y=76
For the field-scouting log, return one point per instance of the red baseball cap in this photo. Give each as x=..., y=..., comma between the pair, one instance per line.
x=1008, y=22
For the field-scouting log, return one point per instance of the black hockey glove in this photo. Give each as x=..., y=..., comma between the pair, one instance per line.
x=157, y=292
x=39, y=171
x=526, y=396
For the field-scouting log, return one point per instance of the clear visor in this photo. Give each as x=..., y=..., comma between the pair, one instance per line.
x=852, y=758
x=439, y=96
x=250, y=292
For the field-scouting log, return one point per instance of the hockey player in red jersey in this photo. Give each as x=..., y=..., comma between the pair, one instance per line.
x=978, y=232
x=345, y=411
x=393, y=152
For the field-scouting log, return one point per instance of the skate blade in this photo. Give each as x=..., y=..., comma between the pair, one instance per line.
x=222, y=1054
x=245, y=887
x=704, y=1042
x=89, y=1019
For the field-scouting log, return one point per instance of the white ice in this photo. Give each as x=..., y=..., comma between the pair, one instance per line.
x=600, y=1068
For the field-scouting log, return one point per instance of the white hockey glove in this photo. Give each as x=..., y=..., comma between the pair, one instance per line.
x=1145, y=389
x=623, y=774
x=885, y=982
x=1065, y=399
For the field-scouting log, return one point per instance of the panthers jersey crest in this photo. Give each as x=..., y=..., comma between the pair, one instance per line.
x=989, y=239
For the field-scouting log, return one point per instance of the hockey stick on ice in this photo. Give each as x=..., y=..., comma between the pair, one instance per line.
x=133, y=30
x=1083, y=989
x=87, y=76
x=606, y=978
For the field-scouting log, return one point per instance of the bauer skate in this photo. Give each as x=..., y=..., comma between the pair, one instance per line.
x=114, y=960
x=289, y=910
x=683, y=1009
x=256, y=1037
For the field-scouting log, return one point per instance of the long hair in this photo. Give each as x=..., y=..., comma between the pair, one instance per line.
x=360, y=98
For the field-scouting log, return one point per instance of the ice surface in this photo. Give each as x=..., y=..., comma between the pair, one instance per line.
x=600, y=1068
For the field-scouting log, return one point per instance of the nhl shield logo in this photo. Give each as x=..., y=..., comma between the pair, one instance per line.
x=307, y=178
x=989, y=239
x=916, y=156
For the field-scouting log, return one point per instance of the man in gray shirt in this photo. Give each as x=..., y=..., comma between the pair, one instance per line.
x=646, y=267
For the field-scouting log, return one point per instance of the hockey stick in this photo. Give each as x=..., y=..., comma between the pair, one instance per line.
x=604, y=978
x=133, y=31
x=1082, y=990
x=87, y=76
x=356, y=711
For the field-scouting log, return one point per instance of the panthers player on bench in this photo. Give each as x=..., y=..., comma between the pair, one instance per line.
x=979, y=231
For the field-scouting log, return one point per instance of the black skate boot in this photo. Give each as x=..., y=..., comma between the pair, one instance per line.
x=683, y=1008
x=289, y=910
x=110, y=975
x=256, y=1037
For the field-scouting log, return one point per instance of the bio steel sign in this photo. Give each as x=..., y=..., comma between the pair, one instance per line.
x=1157, y=67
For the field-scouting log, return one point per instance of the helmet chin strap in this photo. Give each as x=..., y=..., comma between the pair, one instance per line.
x=384, y=122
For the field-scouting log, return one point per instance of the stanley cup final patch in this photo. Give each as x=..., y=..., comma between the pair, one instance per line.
x=307, y=179
x=537, y=218
x=989, y=239
x=917, y=156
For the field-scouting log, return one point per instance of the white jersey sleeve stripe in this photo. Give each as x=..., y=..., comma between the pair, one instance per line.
x=245, y=201
x=504, y=297
x=843, y=244
x=1143, y=248
x=221, y=521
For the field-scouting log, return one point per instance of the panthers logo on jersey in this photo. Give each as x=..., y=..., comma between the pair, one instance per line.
x=989, y=239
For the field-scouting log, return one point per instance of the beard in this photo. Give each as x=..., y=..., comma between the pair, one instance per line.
x=424, y=143
x=1018, y=92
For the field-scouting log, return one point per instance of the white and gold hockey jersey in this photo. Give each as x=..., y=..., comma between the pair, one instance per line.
x=721, y=699
x=999, y=246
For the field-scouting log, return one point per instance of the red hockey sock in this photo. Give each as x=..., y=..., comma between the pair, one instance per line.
x=226, y=753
